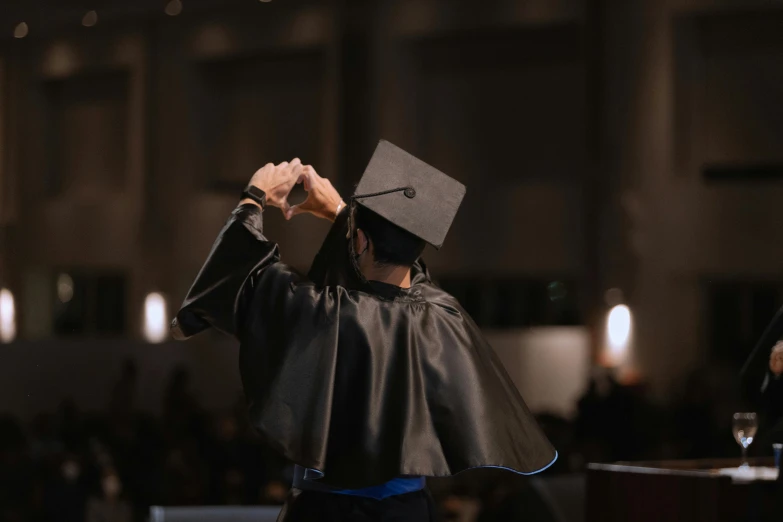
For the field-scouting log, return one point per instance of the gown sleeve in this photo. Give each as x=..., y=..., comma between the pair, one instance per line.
x=224, y=285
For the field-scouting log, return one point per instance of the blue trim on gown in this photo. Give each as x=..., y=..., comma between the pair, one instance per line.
x=306, y=479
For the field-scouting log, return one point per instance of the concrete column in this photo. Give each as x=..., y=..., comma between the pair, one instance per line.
x=638, y=132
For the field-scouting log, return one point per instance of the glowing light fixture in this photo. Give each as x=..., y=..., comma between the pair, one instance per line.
x=21, y=30
x=156, y=321
x=7, y=316
x=618, y=330
x=173, y=8
x=64, y=288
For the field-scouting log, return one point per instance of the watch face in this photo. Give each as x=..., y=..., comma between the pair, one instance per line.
x=256, y=194
x=255, y=191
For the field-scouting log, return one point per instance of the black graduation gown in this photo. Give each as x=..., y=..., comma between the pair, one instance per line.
x=362, y=382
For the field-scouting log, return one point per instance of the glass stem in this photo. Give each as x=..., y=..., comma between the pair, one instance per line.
x=744, y=456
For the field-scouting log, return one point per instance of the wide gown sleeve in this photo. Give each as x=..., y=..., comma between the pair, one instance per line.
x=223, y=287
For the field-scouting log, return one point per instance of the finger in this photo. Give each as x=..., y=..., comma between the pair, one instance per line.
x=305, y=206
x=265, y=167
x=285, y=207
x=295, y=162
x=303, y=172
x=294, y=211
x=283, y=165
x=306, y=179
x=296, y=170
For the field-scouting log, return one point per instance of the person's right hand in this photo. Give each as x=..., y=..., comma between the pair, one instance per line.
x=322, y=199
x=277, y=181
x=776, y=359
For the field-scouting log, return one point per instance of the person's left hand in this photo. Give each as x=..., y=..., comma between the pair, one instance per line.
x=277, y=181
x=322, y=201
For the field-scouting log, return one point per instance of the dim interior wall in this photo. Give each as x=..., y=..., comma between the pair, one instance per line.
x=662, y=126
x=181, y=171
x=502, y=111
x=695, y=87
x=148, y=195
x=81, y=162
x=550, y=366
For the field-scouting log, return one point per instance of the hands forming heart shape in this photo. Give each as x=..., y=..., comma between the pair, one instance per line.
x=277, y=181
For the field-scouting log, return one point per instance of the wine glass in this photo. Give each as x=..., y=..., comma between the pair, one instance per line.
x=744, y=427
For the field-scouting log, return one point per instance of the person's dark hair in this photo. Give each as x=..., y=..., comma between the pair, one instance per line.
x=391, y=244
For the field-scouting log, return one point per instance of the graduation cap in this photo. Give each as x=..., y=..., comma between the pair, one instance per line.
x=409, y=193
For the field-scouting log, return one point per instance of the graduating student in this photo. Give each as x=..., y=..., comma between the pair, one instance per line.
x=364, y=374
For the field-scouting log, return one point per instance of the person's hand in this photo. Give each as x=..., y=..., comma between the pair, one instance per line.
x=776, y=359
x=277, y=181
x=322, y=199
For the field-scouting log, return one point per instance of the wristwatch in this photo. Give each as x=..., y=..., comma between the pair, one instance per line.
x=256, y=194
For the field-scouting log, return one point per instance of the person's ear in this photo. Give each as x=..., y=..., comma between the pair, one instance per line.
x=361, y=242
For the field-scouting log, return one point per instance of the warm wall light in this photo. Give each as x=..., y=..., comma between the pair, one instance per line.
x=618, y=332
x=156, y=321
x=618, y=325
x=174, y=7
x=90, y=18
x=21, y=30
x=64, y=288
x=7, y=316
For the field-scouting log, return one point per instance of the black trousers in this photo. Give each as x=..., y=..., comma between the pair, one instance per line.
x=315, y=506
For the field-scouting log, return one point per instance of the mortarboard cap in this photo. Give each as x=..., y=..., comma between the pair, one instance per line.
x=411, y=194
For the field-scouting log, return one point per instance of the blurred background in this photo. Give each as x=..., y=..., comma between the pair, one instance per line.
x=617, y=244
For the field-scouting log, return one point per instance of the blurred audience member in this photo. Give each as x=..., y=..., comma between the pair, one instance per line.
x=70, y=426
x=110, y=506
x=274, y=493
x=124, y=394
x=693, y=421
x=185, y=475
x=65, y=497
x=617, y=421
x=182, y=415
x=45, y=442
x=518, y=502
x=16, y=473
x=187, y=457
